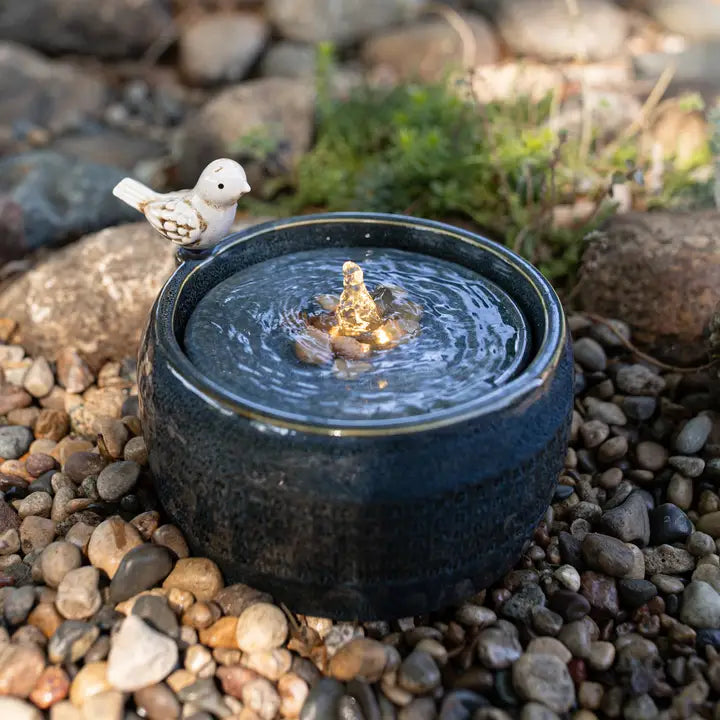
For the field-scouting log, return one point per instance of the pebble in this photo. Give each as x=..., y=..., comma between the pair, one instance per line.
x=639, y=407
x=710, y=523
x=576, y=637
x=601, y=592
x=700, y=544
x=14, y=441
x=221, y=634
x=273, y=664
x=52, y=686
x=139, y=656
x=628, y=521
x=36, y=503
x=52, y=424
x=156, y=612
x=45, y=618
x=418, y=673
x=293, y=691
x=608, y=412
x=38, y=464
x=72, y=371
x=651, y=455
x=171, y=538
x=261, y=626
x=78, y=596
x=57, y=560
x=601, y=655
x=635, y=593
x=546, y=622
x=233, y=599
x=108, y=705
x=667, y=559
x=700, y=605
x=570, y=605
x=111, y=540
x=20, y=669
x=9, y=541
x=520, y=606
x=82, y=464
x=639, y=380
x=141, y=568
x=91, y=680
x=590, y=354
x=36, y=533
x=117, y=479
x=709, y=574
x=544, y=679
x=689, y=466
x=607, y=554
x=203, y=696
x=694, y=435
x=39, y=379
x=549, y=646
x=157, y=702
x=680, y=491
x=669, y=524
x=136, y=451
x=475, y=615
x=18, y=603
x=498, y=649
x=200, y=576
x=14, y=709
x=71, y=640
x=568, y=576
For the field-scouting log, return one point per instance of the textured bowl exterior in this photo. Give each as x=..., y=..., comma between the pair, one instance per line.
x=355, y=523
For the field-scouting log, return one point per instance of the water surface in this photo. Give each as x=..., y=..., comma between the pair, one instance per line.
x=473, y=337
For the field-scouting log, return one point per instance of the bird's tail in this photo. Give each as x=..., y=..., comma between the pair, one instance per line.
x=133, y=193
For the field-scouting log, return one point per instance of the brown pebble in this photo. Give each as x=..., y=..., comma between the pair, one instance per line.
x=201, y=615
x=114, y=434
x=72, y=371
x=172, y=538
x=79, y=535
x=45, y=618
x=68, y=446
x=221, y=634
x=361, y=658
x=52, y=687
x=20, y=669
x=271, y=664
x=136, y=450
x=36, y=533
x=82, y=464
x=7, y=328
x=180, y=679
x=24, y=416
x=39, y=463
x=223, y=656
x=146, y=523
x=90, y=680
x=52, y=424
x=111, y=540
x=234, y=678
x=200, y=576
x=293, y=692
x=12, y=398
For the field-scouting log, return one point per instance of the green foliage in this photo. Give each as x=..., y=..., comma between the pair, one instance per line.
x=432, y=151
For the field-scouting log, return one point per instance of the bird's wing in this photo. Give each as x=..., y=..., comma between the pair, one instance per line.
x=176, y=218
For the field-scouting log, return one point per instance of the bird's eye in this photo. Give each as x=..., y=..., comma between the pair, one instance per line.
x=220, y=186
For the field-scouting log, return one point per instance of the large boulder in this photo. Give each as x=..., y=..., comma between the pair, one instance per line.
x=94, y=294
x=265, y=124
x=660, y=272
x=107, y=28
x=47, y=199
x=221, y=47
x=427, y=49
x=551, y=30
x=40, y=94
x=696, y=19
x=340, y=21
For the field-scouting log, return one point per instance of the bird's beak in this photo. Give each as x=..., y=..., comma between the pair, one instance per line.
x=246, y=188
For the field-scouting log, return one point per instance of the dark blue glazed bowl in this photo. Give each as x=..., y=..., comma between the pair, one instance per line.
x=356, y=521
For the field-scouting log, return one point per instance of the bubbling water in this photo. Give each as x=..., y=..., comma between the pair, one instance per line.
x=472, y=338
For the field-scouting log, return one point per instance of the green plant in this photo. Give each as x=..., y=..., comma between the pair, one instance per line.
x=432, y=150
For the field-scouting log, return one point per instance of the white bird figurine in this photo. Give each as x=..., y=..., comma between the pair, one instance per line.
x=197, y=218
